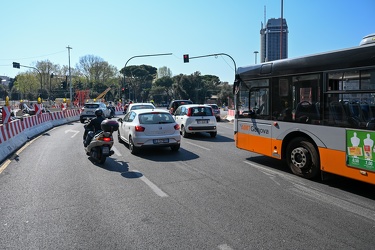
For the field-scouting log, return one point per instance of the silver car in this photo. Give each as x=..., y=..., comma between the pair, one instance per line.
x=149, y=128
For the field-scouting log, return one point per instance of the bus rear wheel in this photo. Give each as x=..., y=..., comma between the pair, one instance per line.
x=302, y=158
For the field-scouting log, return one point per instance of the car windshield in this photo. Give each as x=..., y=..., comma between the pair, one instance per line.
x=155, y=118
x=91, y=105
x=214, y=106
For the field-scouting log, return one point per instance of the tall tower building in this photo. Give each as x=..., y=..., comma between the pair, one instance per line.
x=270, y=46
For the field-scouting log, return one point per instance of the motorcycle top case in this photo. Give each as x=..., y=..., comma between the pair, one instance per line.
x=109, y=125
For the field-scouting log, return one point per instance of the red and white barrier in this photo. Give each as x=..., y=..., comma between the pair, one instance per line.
x=17, y=132
x=230, y=115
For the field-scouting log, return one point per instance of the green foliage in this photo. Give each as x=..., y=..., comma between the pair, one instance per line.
x=141, y=82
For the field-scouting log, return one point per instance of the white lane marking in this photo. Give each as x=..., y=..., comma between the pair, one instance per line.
x=313, y=194
x=224, y=247
x=72, y=131
x=116, y=151
x=196, y=145
x=332, y=200
x=153, y=187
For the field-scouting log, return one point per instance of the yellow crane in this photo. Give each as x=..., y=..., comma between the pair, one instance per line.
x=101, y=95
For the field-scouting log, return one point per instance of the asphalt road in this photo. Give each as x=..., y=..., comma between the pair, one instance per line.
x=209, y=195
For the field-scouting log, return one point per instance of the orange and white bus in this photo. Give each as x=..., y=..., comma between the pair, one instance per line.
x=315, y=112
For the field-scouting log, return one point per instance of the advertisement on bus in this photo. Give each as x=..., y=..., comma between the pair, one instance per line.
x=361, y=150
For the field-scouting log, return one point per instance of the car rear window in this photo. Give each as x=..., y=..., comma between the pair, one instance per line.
x=156, y=118
x=201, y=111
x=142, y=107
x=91, y=106
x=214, y=106
x=176, y=104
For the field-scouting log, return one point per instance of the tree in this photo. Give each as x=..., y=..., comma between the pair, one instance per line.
x=95, y=69
x=164, y=85
x=46, y=68
x=226, y=93
x=27, y=84
x=139, y=79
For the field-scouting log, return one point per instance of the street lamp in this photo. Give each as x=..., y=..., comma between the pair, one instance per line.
x=70, y=77
x=165, y=54
x=256, y=53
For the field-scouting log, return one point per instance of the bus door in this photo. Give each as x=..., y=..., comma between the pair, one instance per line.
x=258, y=128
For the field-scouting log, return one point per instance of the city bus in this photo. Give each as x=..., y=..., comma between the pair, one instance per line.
x=317, y=112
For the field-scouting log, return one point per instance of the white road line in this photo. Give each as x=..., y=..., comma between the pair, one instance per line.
x=75, y=132
x=153, y=187
x=196, y=145
x=116, y=151
x=299, y=188
x=224, y=247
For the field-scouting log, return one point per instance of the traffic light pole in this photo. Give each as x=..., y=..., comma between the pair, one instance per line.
x=220, y=54
x=165, y=54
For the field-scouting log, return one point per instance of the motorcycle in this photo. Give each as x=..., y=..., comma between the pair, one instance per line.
x=100, y=145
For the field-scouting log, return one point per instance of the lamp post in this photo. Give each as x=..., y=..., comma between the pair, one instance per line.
x=70, y=77
x=165, y=54
x=256, y=53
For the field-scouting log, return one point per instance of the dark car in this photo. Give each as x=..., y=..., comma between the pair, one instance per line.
x=177, y=103
x=216, y=111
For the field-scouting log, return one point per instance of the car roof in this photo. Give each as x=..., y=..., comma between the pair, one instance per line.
x=195, y=105
x=143, y=111
x=141, y=103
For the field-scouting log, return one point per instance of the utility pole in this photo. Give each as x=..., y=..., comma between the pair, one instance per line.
x=70, y=77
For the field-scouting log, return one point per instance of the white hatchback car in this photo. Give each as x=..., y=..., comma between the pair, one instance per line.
x=88, y=111
x=149, y=128
x=194, y=118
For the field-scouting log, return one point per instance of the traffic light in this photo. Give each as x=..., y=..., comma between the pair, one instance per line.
x=186, y=58
x=123, y=89
x=16, y=65
x=63, y=85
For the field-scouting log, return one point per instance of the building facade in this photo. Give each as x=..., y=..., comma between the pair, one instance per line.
x=270, y=36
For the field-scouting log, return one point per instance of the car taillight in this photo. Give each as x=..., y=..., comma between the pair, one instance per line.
x=139, y=128
x=177, y=127
x=189, y=112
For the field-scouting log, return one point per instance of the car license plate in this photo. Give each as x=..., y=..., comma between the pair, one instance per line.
x=158, y=141
x=105, y=150
x=202, y=121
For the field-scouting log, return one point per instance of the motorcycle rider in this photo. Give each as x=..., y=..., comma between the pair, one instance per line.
x=94, y=126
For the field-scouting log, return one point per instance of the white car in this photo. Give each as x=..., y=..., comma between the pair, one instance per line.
x=149, y=128
x=143, y=105
x=194, y=118
x=88, y=111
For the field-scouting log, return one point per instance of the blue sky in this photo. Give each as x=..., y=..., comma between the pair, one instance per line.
x=117, y=30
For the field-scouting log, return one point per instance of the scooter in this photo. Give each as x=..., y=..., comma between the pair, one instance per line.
x=100, y=146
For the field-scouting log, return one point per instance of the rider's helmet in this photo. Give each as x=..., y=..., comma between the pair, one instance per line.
x=98, y=112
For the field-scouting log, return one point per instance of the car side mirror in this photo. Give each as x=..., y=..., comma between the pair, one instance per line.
x=120, y=120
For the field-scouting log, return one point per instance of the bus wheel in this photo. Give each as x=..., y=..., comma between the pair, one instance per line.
x=302, y=158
